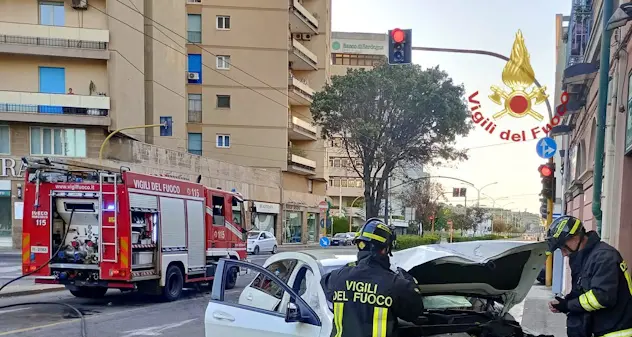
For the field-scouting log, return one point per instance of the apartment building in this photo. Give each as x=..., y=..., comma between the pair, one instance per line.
x=253, y=67
x=71, y=71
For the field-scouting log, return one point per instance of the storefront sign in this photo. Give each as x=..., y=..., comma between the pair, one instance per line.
x=264, y=207
x=9, y=167
x=5, y=194
x=367, y=47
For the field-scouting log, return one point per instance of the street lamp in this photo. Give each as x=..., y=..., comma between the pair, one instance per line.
x=478, y=199
x=621, y=16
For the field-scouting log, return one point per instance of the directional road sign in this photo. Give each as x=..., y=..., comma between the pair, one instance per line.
x=324, y=241
x=546, y=147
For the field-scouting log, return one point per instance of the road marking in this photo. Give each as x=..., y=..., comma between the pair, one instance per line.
x=13, y=310
x=156, y=330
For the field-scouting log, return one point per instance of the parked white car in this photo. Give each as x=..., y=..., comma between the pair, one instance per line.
x=466, y=286
x=261, y=241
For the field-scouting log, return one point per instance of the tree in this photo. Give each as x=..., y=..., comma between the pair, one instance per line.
x=500, y=226
x=424, y=196
x=390, y=116
x=340, y=224
x=477, y=216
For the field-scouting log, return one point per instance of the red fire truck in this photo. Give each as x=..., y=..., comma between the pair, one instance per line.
x=91, y=229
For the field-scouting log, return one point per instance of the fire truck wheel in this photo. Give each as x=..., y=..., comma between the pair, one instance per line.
x=274, y=249
x=89, y=292
x=173, y=284
x=231, y=278
x=256, y=250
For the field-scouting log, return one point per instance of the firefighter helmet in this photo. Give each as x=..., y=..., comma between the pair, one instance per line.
x=374, y=233
x=562, y=229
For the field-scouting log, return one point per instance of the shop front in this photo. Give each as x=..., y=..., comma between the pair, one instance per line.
x=11, y=205
x=264, y=216
x=300, y=224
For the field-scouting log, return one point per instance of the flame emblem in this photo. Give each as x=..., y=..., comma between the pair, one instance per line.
x=518, y=75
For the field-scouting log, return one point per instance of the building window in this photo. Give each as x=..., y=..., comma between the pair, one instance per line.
x=195, y=143
x=335, y=182
x=195, y=108
x=166, y=130
x=5, y=139
x=223, y=62
x=52, y=13
x=223, y=141
x=194, y=27
x=195, y=66
x=223, y=101
x=357, y=60
x=223, y=22
x=310, y=186
x=58, y=142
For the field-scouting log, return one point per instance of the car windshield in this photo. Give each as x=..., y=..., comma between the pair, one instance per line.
x=340, y=235
x=253, y=235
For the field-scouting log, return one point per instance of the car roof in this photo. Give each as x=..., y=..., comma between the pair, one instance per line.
x=331, y=257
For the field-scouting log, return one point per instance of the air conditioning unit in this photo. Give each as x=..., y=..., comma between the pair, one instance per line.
x=297, y=36
x=306, y=37
x=193, y=76
x=80, y=4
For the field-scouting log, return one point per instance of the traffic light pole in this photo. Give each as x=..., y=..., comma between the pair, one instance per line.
x=549, y=218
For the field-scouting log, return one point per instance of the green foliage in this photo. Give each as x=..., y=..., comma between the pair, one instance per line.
x=392, y=115
x=341, y=224
x=478, y=238
x=409, y=241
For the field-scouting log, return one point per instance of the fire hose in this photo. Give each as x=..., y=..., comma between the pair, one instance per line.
x=84, y=332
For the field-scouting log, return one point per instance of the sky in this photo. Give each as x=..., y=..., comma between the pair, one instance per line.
x=485, y=25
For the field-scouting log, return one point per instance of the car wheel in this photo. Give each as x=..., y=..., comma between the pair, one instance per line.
x=173, y=284
x=231, y=278
x=274, y=249
x=256, y=250
x=89, y=292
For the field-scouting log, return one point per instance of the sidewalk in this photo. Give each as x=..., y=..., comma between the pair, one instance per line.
x=24, y=289
x=535, y=315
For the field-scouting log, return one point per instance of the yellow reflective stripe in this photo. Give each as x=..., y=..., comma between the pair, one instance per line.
x=624, y=269
x=560, y=228
x=583, y=301
x=338, y=311
x=374, y=237
x=620, y=333
x=383, y=227
x=380, y=316
x=592, y=300
x=575, y=227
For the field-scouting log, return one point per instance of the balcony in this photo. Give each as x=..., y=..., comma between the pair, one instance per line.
x=301, y=130
x=299, y=92
x=301, y=58
x=301, y=20
x=32, y=107
x=300, y=165
x=29, y=39
x=336, y=191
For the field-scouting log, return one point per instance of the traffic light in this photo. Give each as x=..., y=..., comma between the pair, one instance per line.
x=400, y=44
x=547, y=173
x=544, y=207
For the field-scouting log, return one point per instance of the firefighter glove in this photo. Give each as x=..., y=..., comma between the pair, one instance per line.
x=562, y=305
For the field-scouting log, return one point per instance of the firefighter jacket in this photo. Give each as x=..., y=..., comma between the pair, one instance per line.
x=368, y=298
x=600, y=302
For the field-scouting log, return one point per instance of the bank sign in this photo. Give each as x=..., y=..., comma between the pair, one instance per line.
x=369, y=47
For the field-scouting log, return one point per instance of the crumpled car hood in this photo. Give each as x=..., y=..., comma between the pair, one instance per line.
x=502, y=270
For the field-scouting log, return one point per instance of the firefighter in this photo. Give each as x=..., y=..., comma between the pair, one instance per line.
x=368, y=296
x=600, y=301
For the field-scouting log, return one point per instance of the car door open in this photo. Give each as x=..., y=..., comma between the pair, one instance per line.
x=230, y=313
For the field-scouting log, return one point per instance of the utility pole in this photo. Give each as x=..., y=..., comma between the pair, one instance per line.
x=386, y=201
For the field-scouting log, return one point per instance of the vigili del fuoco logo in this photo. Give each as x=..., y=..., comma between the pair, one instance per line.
x=517, y=99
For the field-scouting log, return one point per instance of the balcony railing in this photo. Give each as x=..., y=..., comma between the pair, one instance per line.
x=53, y=42
x=302, y=125
x=302, y=55
x=195, y=116
x=32, y=102
x=308, y=18
x=304, y=163
x=194, y=37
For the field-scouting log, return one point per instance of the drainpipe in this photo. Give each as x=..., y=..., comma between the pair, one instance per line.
x=608, y=186
x=602, y=107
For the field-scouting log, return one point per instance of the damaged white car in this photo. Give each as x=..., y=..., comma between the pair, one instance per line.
x=468, y=289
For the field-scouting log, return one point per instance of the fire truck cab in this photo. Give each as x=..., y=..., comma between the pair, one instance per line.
x=92, y=229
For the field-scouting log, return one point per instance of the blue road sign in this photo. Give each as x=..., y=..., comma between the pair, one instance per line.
x=324, y=241
x=546, y=147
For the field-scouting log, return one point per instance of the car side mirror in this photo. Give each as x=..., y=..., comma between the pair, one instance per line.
x=292, y=314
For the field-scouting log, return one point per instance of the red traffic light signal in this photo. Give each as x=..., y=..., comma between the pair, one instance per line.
x=545, y=170
x=398, y=35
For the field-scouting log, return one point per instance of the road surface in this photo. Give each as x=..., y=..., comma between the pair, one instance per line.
x=133, y=315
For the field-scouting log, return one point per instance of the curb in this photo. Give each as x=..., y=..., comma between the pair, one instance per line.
x=31, y=292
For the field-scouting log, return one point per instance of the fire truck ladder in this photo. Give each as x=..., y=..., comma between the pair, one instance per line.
x=104, y=178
